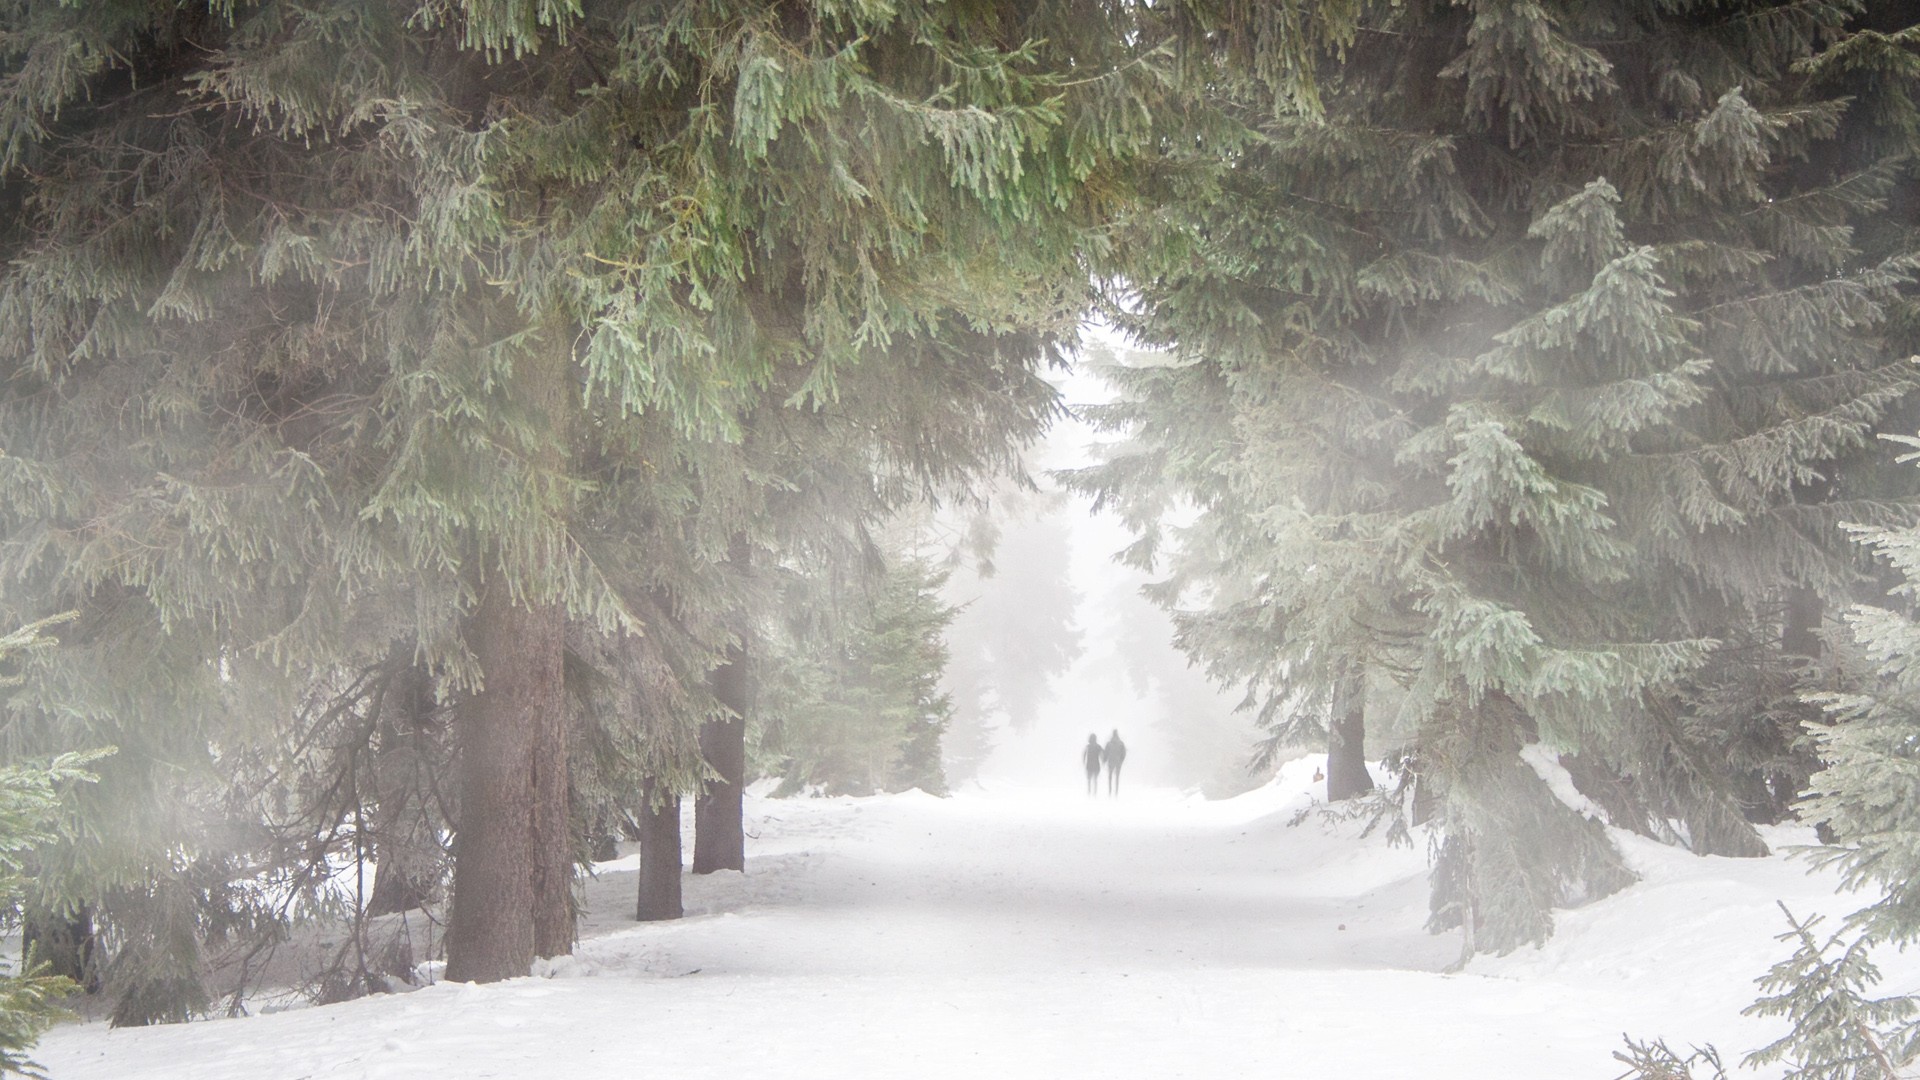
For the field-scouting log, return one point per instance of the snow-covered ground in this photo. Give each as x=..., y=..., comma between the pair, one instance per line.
x=1016, y=933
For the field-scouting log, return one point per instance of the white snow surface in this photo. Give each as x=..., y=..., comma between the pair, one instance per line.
x=1047, y=934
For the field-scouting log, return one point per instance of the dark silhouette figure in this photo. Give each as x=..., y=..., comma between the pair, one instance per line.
x=1092, y=755
x=1115, y=755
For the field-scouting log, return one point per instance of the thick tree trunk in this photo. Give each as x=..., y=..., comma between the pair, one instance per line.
x=513, y=855
x=491, y=932
x=553, y=832
x=1347, y=774
x=719, y=839
x=659, y=856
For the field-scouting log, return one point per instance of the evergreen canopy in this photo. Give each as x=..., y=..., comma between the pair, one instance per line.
x=363, y=359
x=1527, y=386
x=334, y=330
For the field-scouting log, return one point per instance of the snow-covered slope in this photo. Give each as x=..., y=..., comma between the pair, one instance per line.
x=1050, y=935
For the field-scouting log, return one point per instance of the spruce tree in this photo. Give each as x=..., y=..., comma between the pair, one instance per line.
x=330, y=329
x=854, y=707
x=30, y=797
x=1864, y=796
x=1838, y=1033
x=1531, y=378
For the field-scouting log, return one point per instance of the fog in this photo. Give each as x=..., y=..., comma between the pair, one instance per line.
x=1055, y=642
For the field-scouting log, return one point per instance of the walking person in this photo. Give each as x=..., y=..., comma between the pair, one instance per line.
x=1115, y=755
x=1092, y=756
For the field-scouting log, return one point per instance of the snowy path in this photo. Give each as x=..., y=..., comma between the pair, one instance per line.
x=1040, y=936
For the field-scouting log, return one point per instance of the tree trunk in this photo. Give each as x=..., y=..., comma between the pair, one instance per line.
x=401, y=838
x=553, y=832
x=1347, y=774
x=1801, y=634
x=659, y=855
x=1805, y=607
x=63, y=943
x=553, y=840
x=513, y=855
x=490, y=935
x=719, y=839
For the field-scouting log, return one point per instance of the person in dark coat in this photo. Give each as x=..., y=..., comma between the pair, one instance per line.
x=1115, y=755
x=1092, y=755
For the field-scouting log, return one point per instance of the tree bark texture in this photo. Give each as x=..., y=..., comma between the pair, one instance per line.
x=553, y=834
x=490, y=935
x=1347, y=774
x=659, y=856
x=513, y=855
x=719, y=838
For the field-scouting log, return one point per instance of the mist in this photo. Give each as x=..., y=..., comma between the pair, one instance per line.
x=1054, y=641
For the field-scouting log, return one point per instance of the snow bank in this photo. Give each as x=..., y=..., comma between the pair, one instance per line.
x=1048, y=934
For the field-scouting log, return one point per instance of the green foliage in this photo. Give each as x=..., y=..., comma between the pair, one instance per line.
x=1863, y=796
x=1865, y=792
x=276, y=276
x=1655, y=1060
x=1512, y=852
x=30, y=800
x=32, y=637
x=1534, y=375
x=1838, y=1033
x=851, y=699
x=29, y=1004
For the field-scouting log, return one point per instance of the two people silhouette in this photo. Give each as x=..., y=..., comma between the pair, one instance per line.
x=1113, y=755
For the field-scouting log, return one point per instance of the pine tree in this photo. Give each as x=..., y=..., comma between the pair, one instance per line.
x=330, y=329
x=1864, y=796
x=1531, y=376
x=1838, y=1033
x=1655, y=1060
x=30, y=797
x=855, y=707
